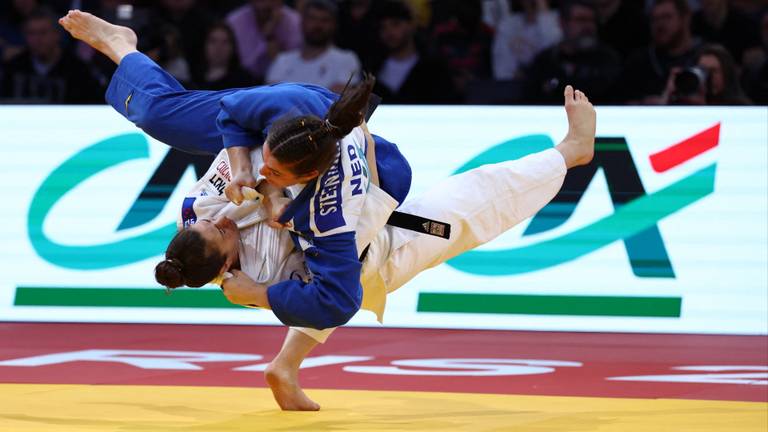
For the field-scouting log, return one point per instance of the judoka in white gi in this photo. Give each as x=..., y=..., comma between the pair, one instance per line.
x=479, y=204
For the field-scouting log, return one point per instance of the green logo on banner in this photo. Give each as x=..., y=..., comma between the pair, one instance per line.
x=634, y=220
x=86, y=163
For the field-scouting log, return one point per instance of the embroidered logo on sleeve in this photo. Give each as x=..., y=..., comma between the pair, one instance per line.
x=127, y=101
x=188, y=215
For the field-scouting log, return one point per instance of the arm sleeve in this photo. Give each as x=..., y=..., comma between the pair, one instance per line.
x=333, y=295
x=232, y=122
x=245, y=116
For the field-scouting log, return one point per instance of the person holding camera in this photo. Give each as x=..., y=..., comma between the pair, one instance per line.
x=712, y=81
x=672, y=46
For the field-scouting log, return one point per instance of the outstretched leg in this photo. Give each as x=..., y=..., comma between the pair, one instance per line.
x=482, y=203
x=282, y=374
x=147, y=95
x=111, y=40
x=501, y=205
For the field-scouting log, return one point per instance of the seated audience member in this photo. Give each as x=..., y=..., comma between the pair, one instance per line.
x=44, y=72
x=580, y=59
x=408, y=75
x=221, y=67
x=755, y=76
x=12, y=17
x=623, y=25
x=357, y=30
x=189, y=19
x=713, y=81
x=263, y=29
x=463, y=40
x=672, y=45
x=718, y=22
x=522, y=34
x=318, y=61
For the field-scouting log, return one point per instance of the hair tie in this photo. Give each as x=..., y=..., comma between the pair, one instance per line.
x=329, y=126
x=178, y=265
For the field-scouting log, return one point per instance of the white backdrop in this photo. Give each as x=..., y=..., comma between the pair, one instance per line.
x=73, y=173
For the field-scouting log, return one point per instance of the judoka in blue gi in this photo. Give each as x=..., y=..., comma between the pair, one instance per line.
x=478, y=204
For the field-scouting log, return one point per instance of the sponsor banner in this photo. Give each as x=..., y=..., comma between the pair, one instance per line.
x=664, y=232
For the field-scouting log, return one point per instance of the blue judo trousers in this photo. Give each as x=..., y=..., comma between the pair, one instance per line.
x=205, y=122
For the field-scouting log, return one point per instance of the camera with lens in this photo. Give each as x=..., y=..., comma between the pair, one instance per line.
x=690, y=81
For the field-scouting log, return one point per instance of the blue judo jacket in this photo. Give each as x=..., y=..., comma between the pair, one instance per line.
x=207, y=121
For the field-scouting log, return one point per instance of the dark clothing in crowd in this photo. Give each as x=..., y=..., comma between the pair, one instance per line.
x=594, y=72
x=191, y=26
x=69, y=81
x=737, y=33
x=627, y=30
x=235, y=78
x=646, y=72
x=468, y=52
x=360, y=36
x=755, y=83
x=429, y=82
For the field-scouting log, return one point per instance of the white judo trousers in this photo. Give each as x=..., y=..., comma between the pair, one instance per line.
x=480, y=204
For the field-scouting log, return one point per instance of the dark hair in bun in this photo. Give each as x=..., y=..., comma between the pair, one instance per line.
x=188, y=261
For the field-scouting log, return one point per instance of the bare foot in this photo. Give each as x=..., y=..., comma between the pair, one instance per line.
x=111, y=40
x=578, y=146
x=284, y=383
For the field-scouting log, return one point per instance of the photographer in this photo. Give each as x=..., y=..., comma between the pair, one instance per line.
x=712, y=81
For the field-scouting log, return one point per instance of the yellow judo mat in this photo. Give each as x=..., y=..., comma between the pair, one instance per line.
x=48, y=408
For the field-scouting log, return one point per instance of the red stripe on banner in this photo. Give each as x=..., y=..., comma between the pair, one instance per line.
x=686, y=150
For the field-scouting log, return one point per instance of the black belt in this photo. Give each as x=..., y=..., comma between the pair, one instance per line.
x=415, y=223
x=420, y=224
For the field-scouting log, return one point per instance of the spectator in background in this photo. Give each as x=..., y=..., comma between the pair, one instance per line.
x=188, y=22
x=319, y=61
x=43, y=73
x=580, y=59
x=357, y=30
x=717, y=22
x=522, y=34
x=722, y=83
x=646, y=71
x=756, y=66
x=623, y=25
x=263, y=29
x=14, y=13
x=164, y=46
x=220, y=68
x=713, y=81
x=462, y=38
x=408, y=75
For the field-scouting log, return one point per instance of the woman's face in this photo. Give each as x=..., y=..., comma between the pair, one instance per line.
x=711, y=64
x=222, y=235
x=218, y=47
x=280, y=175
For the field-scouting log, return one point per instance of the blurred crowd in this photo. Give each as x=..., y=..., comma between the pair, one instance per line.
x=648, y=52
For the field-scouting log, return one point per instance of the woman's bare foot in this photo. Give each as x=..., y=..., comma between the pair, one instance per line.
x=578, y=146
x=284, y=382
x=111, y=40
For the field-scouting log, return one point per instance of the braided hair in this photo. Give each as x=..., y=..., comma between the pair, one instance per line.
x=308, y=143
